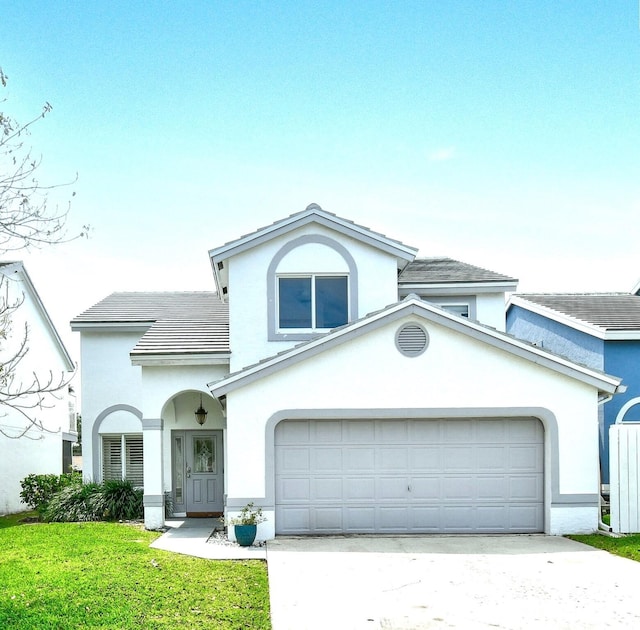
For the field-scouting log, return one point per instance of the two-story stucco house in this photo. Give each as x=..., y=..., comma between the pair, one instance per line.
x=36, y=432
x=348, y=387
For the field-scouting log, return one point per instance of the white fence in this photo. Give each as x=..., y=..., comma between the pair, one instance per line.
x=624, y=468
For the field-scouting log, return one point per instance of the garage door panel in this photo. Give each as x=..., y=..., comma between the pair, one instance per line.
x=294, y=459
x=360, y=519
x=493, y=432
x=389, y=432
x=325, y=460
x=521, y=517
x=495, y=488
x=425, y=432
x=457, y=518
x=524, y=458
x=458, y=458
x=295, y=519
x=425, y=458
x=525, y=488
x=359, y=460
x=459, y=487
x=392, y=519
x=360, y=489
x=294, y=432
x=327, y=489
x=392, y=489
x=295, y=489
x=328, y=431
x=525, y=432
x=456, y=431
x=426, y=488
x=328, y=519
x=446, y=475
x=492, y=458
x=390, y=458
x=360, y=432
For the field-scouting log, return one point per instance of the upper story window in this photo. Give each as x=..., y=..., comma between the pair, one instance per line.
x=313, y=302
x=312, y=287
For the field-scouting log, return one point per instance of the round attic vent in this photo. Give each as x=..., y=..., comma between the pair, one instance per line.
x=412, y=340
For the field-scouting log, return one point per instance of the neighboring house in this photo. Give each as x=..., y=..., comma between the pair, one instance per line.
x=599, y=330
x=44, y=445
x=336, y=398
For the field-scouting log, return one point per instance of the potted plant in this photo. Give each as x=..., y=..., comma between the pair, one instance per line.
x=245, y=525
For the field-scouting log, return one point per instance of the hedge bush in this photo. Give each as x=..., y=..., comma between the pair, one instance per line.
x=37, y=490
x=108, y=501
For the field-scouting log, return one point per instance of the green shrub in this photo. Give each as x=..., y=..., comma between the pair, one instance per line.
x=120, y=500
x=108, y=501
x=75, y=502
x=37, y=490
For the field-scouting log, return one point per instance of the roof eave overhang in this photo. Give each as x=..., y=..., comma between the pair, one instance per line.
x=111, y=326
x=603, y=382
x=161, y=359
x=561, y=318
x=66, y=357
x=404, y=253
x=456, y=288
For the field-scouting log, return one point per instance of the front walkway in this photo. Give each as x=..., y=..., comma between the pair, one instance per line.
x=196, y=537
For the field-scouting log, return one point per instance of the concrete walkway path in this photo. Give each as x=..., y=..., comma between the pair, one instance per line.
x=193, y=537
x=466, y=582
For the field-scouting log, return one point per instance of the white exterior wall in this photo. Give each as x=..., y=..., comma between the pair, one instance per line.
x=456, y=372
x=38, y=452
x=248, y=308
x=108, y=380
x=490, y=310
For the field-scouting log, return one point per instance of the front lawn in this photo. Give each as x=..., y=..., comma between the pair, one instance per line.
x=627, y=546
x=104, y=575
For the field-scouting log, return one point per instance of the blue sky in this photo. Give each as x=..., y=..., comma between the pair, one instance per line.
x=504, y=134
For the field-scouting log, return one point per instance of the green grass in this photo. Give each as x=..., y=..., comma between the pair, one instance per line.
x=627, y=546
x=104, y=575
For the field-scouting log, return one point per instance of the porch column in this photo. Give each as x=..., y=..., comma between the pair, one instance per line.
x=153, y=481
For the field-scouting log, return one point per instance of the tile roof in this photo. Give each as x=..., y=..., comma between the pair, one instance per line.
x=186, y=322
x=442, y=270
x=608, y=311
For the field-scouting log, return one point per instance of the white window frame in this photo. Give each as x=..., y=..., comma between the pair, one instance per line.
x=126, y=440
x=312, y=276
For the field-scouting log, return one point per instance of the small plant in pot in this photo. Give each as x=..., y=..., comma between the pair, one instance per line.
x=245, y=525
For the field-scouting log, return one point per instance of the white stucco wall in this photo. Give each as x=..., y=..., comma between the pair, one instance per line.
x=108, y=380
x=490, y=310
x=248, y=308
x=456, y=372
x=38, y=451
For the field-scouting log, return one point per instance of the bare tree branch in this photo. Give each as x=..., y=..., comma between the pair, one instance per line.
x=27, y=219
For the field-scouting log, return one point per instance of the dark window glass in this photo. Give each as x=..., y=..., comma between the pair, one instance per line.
x=331, y=301
x=295, y=302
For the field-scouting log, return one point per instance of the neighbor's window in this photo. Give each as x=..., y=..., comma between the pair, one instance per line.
x=122, y=458
x=462, y=310
x=313, y=302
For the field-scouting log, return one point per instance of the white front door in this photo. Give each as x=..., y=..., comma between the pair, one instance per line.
x=197, y=472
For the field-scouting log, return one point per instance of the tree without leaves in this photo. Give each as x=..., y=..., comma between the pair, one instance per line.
x=26, y=220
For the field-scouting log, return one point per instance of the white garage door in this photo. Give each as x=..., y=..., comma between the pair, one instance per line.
x=400, y=476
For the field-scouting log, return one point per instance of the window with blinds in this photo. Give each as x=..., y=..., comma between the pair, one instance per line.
x=122, y=458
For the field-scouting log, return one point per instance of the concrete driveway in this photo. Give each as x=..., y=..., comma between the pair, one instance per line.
x=469, y=582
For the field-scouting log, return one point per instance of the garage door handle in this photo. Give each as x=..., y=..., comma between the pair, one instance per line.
x=409, y=488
